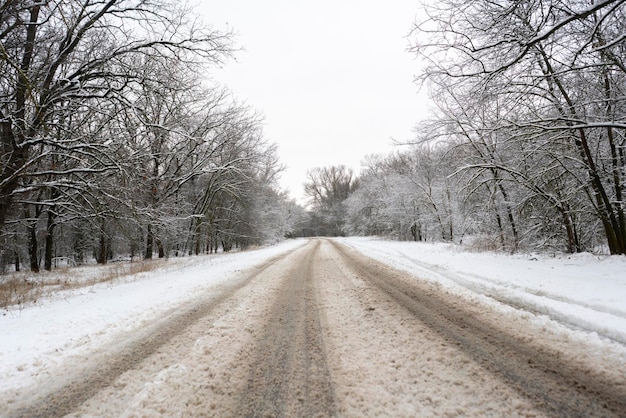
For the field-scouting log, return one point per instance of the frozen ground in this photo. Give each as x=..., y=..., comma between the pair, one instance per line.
x=581, y=291
x=584, y=293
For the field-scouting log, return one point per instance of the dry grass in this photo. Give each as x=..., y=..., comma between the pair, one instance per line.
x=484, y=243
x=21, y=288
x=15, y=290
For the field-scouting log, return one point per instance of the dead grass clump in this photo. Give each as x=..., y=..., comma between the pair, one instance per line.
x=18, y=289
x=146, y=266
x=483, y=243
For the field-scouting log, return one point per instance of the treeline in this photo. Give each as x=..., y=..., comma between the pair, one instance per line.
x=113, y=143
x=527, y=146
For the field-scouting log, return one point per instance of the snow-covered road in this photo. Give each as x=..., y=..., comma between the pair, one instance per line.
x=314, y=328
x=580, y=291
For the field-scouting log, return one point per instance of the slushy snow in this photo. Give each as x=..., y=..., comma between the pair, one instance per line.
x=581, y=291
x=584, y=293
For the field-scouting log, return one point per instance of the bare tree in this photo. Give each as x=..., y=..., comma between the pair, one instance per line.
x=59, y=56
x=328, y=188
x=557, y=67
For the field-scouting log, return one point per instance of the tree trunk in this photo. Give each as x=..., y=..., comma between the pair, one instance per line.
x=102, y=250
x=509, y=211
x=9, y=181
x=617, y=167
x=33, y=246
x=160, y=248
x=414, y=231
x=573, y=245
x=48, y=253
x=500, y=228
x=149, y=243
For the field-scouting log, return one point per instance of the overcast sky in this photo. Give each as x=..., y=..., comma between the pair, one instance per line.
x=331, y=77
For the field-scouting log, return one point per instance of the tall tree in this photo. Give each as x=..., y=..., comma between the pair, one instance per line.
x=58, y=56
x=328, y=188
x=560, y=65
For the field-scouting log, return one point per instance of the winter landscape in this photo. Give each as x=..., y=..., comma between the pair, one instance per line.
x=325, y=209
x=69, y=333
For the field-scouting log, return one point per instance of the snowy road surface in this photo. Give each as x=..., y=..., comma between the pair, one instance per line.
x=322, y=330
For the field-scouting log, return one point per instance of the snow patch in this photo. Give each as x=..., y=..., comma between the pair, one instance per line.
x=36, y=340
x=581, y=291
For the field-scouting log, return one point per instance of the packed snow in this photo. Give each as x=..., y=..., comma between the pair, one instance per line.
x=582, y=292
x=37, y=339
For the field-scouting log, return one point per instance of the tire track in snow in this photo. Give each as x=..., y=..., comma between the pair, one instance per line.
x=326, y=331
x=555, y=386
x=79, y=387
x=288, y=372
x=386, y=362
x=499, y=291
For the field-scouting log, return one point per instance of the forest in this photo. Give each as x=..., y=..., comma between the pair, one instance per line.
x=526, y=147
x=116, y=144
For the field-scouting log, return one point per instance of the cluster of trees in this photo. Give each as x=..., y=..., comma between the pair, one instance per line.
x=407, y=195
x=327, y=189
x=528, y=144
x=112, y=142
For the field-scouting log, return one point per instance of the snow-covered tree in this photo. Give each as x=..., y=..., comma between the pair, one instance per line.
x=328, y=188
x=534, y=91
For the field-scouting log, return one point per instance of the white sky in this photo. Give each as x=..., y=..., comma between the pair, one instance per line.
x=331, y=77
